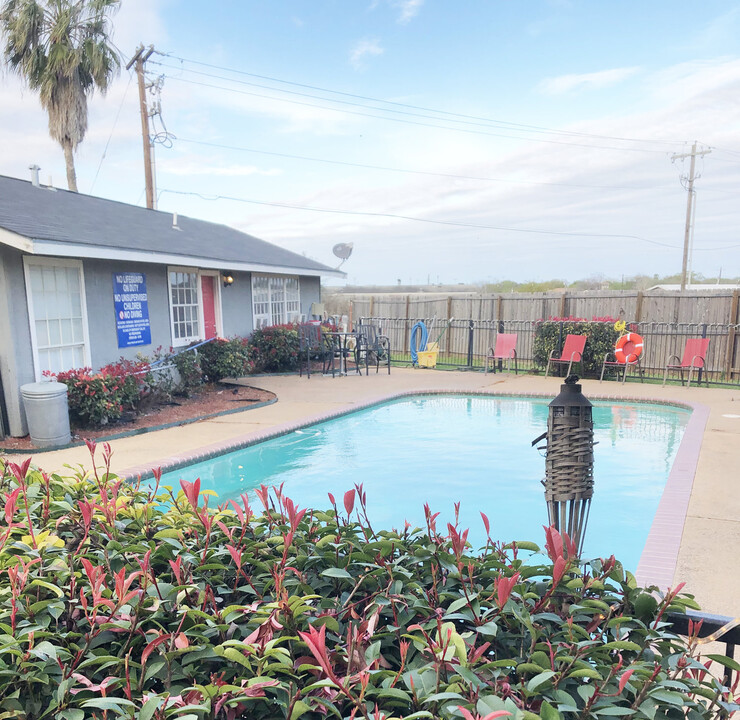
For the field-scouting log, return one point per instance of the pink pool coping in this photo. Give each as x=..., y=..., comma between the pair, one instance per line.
x=659, y=558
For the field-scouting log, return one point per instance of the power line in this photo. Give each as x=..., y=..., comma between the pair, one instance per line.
x=513, y=125
x=395, y=216
x=407, y=122
x=408, y=171
x=113, y=129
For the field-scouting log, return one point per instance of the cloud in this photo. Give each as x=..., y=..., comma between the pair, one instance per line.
x=362, y=49
x=409, y=9
x=585, y=81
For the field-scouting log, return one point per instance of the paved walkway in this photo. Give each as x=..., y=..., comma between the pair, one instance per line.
x=709, y=556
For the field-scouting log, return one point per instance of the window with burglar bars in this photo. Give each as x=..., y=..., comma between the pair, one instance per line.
x=185, y=307
x=276, y=299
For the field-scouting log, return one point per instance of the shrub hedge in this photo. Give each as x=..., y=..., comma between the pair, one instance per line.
x=275, y=348
x=128, y=601
x=223, y=358
x=600, y=333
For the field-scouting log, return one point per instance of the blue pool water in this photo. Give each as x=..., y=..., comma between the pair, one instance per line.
x=475, y=450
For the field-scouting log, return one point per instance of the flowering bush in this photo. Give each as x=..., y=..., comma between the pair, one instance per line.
x=599, y=331
x=126, y=601
x=275, y=348
x=222, y=358
x=100, y=398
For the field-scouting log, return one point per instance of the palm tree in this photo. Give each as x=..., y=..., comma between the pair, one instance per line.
x=61, y=48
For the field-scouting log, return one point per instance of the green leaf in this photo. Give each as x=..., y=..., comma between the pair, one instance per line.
x=645, y=606
x=299, y=709
x=525, y=545
x=726, y=661
x=540, y=679
x=454, y=606
x=336, y=573
x=149, y=708
x=622, y=645
x=71, y=714
x=108, y=703
x=167, y=533
x=395, y=693
x=490, y=629
x=585, y=673
x=44, y=650
x=548, y=712
x=667, y=696
x=437, y=697
x=42, y=583
x=611, y=710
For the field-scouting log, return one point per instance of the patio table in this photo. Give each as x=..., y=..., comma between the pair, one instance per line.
x=340, y=342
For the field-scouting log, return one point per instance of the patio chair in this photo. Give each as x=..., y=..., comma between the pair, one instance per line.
x=312, y=346
x=694, y=357
x=620, y=365
x=626, y=354
x=505, y=349
x=372, y=347
x=572, y=353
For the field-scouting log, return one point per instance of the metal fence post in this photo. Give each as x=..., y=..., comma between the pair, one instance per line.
x=471, y=331
x=703, y=334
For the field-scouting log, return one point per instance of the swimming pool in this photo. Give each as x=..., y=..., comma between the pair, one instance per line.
x=442, y=449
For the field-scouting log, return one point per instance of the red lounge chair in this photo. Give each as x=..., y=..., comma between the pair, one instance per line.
x=626, y=354
x=694, y=356
x=505, y=350
x=572, y=353
x=620, y=365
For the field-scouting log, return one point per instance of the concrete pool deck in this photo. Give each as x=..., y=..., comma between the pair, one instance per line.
x=708, y=541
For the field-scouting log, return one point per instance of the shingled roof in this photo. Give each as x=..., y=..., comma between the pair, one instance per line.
x=51, y=221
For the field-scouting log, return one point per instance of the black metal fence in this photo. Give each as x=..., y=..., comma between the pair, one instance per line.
x=464, y=344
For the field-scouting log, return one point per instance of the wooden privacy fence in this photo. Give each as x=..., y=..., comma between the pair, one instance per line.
x=464, y=343
x=711, y=307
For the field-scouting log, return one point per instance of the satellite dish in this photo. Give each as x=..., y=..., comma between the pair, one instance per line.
x=342, y=251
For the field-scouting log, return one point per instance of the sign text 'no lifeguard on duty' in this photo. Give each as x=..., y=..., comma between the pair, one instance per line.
x=132, y=309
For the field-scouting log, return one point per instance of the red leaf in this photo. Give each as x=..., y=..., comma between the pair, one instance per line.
x=349, y=501
x=192, y=491
x=149, y=649
x=486, y=523
x=236, y=555
x=623, y=680
x=181, y=641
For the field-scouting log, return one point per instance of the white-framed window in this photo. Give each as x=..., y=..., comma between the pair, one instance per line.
x=185, y=306
x=276, y=299
x=55, y=291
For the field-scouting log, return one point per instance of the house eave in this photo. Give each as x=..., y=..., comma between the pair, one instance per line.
x=97, y=252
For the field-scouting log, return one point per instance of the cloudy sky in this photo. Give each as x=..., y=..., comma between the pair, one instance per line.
x=477, y=140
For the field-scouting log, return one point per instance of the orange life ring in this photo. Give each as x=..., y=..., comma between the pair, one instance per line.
x=628, y=348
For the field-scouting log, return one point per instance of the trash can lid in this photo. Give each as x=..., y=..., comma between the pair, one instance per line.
x=44, y=389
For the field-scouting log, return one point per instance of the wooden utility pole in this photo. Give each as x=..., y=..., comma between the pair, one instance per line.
x=138, y=61
x=689, y=206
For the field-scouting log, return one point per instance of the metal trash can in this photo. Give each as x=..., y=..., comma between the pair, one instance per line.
x=47, y=413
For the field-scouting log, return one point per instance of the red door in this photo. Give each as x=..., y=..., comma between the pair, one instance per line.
x=209, y=306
